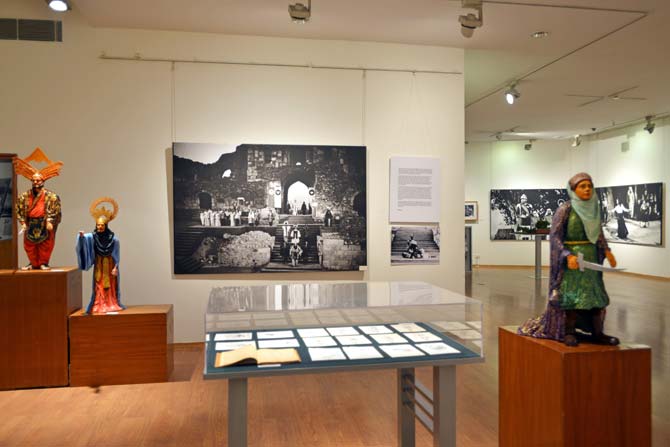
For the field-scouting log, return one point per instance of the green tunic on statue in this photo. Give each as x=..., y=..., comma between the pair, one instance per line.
x=581, y=290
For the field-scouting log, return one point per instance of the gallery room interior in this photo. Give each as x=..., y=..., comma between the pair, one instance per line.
x=343, y=223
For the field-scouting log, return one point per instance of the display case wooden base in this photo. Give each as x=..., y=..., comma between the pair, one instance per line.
x=34, y=309
x=133, y=346
x=590, y=395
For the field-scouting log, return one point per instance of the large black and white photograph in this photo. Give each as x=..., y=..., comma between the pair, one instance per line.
x=415, y=245
x=632, y=214
x=268, y=208
x=516, y=212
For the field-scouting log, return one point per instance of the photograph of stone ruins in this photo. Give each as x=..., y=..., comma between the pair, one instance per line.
x=268, y=208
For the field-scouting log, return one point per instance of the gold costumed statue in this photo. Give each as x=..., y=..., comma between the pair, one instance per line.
x=100, y=250
x=38, y=210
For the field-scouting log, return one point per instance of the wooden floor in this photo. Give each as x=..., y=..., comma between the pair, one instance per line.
x=344, y=409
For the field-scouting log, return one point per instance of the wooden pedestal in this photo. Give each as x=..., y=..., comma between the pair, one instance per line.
x=34, y=308
x=129, y=347
x=590, y=395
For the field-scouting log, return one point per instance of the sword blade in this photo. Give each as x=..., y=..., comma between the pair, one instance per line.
x=593, y=266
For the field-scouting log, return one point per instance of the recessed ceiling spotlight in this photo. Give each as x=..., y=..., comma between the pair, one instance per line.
x=58, y=5
x=539, y=34
x=299, y=12
x=512, y=94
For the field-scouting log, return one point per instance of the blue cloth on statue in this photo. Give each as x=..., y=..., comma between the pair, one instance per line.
x=86, y=260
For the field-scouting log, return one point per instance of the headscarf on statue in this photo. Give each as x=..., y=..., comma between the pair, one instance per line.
x=587, y=210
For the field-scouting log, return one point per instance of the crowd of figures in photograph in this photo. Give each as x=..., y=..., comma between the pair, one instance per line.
x=630, y=214
x=268, y=208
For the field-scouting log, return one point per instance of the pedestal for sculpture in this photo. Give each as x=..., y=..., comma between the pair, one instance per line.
x=132, y=346
x=590, y=395
x=34, y=309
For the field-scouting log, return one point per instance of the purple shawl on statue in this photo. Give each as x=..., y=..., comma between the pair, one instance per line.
x=551, y=324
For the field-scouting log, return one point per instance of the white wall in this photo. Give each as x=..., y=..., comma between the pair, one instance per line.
x=112, y=124
x=506, y=165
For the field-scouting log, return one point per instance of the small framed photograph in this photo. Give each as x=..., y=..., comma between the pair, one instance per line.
x=471, y=212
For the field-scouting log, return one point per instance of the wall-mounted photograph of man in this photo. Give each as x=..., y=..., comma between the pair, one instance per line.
x=471, y=212
x=516, y=212
x=632, y=214
x=268, y=208
x=415, y=245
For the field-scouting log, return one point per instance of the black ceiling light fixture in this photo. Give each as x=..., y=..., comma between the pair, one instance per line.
x=650, y=126
x=58, y=5
x=299, y=12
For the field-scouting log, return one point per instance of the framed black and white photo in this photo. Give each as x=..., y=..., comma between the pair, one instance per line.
x=514, y=212
x=268, y=208
x=415, y=245
x=632, y=214
x=471, y=212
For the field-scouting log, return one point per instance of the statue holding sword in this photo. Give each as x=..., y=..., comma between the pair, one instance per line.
x=577, y=295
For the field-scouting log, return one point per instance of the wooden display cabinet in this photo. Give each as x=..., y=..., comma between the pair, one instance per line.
x=34, y=310
x=590, y=395
x=133, y=346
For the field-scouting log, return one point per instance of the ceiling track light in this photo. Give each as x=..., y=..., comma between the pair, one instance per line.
x=576, y=140
x=58, y=5
x=469, y=22
x=650, y=126
x=528, y=146
x=512, y=94
x=299, y=12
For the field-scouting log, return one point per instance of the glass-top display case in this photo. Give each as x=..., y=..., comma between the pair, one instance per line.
x=339, y=326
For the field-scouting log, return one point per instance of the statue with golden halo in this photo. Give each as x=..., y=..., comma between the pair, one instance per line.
x=100, y=250
x=38, y=210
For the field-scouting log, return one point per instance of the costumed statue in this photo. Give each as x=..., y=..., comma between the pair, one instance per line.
x=38, y=210
x=100, y=250
x=577, y=296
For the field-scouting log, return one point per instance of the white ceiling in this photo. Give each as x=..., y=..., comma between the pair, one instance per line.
x=500, y=52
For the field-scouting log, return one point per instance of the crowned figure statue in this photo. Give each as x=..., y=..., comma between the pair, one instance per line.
x=38, y=209
x=100, y=250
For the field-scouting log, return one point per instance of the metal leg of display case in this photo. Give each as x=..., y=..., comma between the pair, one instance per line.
x=538, y=257
x=405, y=407
x=237, y=412
x=444, y=406
x=435, y=410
